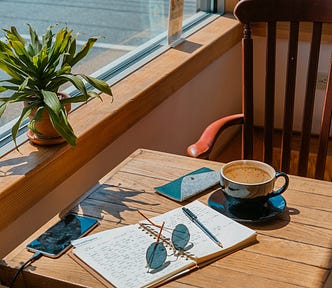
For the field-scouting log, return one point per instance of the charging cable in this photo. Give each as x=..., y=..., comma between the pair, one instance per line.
x=35, y=257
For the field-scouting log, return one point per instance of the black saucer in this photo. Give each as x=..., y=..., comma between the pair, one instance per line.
x=271, y=209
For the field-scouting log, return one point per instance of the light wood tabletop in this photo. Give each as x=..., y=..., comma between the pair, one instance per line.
x=293, y=250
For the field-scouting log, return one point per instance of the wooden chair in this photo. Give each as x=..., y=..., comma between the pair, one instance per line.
x=276, y=12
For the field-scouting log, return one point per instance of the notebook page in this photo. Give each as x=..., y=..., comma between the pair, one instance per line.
x=226, y=230
x=119, y=256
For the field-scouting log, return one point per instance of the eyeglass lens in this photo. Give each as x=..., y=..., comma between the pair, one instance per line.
x=156, y=254
x=180, y=236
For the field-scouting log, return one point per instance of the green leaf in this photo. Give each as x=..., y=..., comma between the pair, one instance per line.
x=22, y=56
x=36, y=61
x=19, y=97
x=74, y=99
x=58, y=117
x=65, y=69
x=93, y=94
x=80, y=98
x=65, y=45
x=20, y=50
x=8, y=87
x=30, y=50
x=60, y=45
x=52, y=101
x=24, y=115
x=99, y=84
x=12, y=80
x=3, y=107
x=7, y=99
x=15, y=66
x=43, y=59
x=12, y=34
x=24, y=84
x=78, y=83
x=47, y=37
x=71, y=53
x=39, y=113
x=83, y=51
x=16, y=63
x=62, y=126
x=3, y=88
x=35, y=43
x=37, y=117
x=11, y=70
x=5, y=48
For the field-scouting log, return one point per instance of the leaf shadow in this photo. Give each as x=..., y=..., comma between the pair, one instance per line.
x=111, y=201
x=21, y=164
x=14, y=166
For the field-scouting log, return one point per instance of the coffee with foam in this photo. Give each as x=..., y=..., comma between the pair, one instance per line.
x=244, y=173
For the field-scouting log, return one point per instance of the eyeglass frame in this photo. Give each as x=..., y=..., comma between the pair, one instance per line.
x=154, y=245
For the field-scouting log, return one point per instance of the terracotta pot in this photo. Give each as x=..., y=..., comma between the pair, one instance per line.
x=46, y=135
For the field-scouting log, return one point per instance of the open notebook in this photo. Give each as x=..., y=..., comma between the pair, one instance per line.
x=118, y=255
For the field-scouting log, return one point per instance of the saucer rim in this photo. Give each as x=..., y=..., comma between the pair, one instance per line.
x=271, y=216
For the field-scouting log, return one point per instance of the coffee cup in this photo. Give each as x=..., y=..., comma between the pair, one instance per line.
x=248, y=185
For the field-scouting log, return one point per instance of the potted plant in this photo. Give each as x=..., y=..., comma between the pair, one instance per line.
x=37, y=69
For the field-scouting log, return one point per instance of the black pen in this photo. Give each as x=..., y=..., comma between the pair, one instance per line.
x=193, y=218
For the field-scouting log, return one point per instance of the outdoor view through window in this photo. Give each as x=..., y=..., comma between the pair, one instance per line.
x=122, y=26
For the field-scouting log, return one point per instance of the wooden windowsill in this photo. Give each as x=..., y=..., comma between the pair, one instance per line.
x=30, y=174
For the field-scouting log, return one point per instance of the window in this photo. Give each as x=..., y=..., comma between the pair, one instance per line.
x=131, y=32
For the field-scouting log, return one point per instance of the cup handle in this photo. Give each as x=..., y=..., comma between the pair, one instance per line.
x=283, y=187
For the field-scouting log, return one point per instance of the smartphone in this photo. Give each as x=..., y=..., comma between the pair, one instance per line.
x=57, y=239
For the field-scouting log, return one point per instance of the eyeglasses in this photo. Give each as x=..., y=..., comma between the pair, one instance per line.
x=156, y=253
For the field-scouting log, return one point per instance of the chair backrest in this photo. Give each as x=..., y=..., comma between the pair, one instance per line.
x=250, y=12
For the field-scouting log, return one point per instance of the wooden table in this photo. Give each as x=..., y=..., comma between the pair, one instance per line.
x=294, y=250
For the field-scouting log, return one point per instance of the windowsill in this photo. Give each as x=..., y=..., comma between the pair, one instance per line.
x=27, y=176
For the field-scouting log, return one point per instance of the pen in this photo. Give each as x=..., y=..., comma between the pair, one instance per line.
x=193, y=218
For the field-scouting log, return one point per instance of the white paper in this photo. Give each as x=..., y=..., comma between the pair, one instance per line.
x=120, y=257
x=226, y=230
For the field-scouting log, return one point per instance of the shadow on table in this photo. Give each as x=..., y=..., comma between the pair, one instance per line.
x=280, y=221
x=113, y=200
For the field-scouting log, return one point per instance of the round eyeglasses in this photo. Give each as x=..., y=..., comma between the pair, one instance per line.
x=156, y=253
